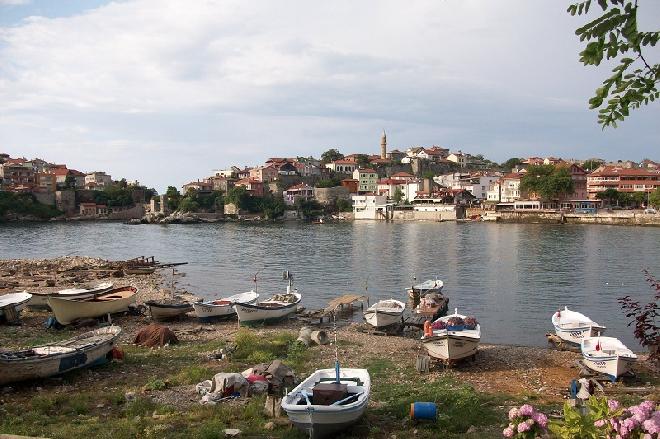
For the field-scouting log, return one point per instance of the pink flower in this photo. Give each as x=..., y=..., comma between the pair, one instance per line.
x=508, y=432
x=513, y=413
x=599, y=423
x=652, y=425
x=613, y=404
x=523, y=427
x=540, y=419
x=526, y=410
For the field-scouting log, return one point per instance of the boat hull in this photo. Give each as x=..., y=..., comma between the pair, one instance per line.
x=18, y=301
x=576, y=335
x=380, y=319
x=66, y=310
x=163, y=312
x=40, y=300
x=612, y=366
x=256, y=315
x=450, y=347
x=320, y=425
x=15, y=370
x=208, y=312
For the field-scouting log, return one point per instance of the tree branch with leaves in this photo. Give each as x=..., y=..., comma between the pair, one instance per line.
x=614, y=35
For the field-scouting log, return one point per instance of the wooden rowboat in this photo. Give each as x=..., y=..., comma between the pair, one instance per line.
x=167, y=310
x=139, y=270
x=114, y=301
x=217, y=309
x=40, y=299
x=12, y=304
x=88, y=349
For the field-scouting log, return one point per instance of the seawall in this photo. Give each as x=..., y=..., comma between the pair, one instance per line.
x=552, y=217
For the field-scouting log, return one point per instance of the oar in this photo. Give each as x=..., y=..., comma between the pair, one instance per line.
x=348, y=398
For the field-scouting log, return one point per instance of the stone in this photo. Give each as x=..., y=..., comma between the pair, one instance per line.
x=232, y=432
x=471, y=430
x=269, y=426
x=130, y=396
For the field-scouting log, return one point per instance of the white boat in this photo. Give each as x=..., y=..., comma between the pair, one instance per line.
x=167, y=310
x=453, y=341
x=87, y=349
x=384, y=313
x=40, y=300
x=323, y=420
x=274, y=309
x=13, y=303
x=216, y=309
x=573, y=327
x=607, y=355
x=68, y=310
x=426, y=287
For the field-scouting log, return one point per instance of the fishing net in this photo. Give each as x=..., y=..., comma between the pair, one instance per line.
x=155, y=335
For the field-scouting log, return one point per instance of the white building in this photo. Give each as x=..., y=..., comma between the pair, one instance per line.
x=477, y=184
x=370, y=207
x=408, y=188
x=97, y=180
x=344, y=166
x=458, y=157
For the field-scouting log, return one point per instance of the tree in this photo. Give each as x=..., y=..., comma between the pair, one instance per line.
x=331, y=155
x=272, y=207
x=398, y=195
x=645, y=317
x=173, y=197
x=613, y=35
x=362, y=161
x=610, y=195
x=329, y=182
x=70, y=182
x=344, y=205
x=654, y=198
x=511, y=163
x=547, y=181
x=238, y=196
x=188, y=204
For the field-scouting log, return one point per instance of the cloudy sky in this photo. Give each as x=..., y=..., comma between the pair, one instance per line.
x=164, y=91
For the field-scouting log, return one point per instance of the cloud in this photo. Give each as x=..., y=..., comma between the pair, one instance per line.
x=14, y=2
x=183, y=87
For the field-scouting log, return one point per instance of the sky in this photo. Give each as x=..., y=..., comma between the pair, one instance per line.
x=165, y=91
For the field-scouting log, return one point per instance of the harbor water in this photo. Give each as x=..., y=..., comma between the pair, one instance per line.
x=512, y=277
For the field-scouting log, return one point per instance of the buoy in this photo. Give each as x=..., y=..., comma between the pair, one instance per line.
x=423, y=411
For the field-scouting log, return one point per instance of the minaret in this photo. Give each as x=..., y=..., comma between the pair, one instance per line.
x=383, y=146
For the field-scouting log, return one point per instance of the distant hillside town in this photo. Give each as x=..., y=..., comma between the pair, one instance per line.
x=417, y=178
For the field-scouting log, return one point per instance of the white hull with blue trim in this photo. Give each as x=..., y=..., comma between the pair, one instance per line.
x=271, y=310
x=319, y=421
x=607, y=355
x=452, y=345
x=573, y=327
x=224, y=307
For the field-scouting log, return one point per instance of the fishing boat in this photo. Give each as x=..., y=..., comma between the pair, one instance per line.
x=384, y=313
x=573, y=327
x=217, y=309
x=12, y=304
x=40, y=299
x=68, y=310
x=323, y=405
x=607, y=355
x=452, y=338
x=167, y=309
x=429, y=286
x=431, y=306
x=88, y=349
x=276, y=308
x=139, y=270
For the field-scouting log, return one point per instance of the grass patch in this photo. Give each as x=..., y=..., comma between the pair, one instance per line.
x=192, y=375
x=156, y=384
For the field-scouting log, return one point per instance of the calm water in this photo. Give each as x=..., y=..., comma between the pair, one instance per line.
x=511, y=276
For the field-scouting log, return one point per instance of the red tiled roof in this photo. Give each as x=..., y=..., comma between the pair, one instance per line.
x=402, y=174
x=391, y=181
x=615, y=170
x=60, y=171
x=513, y=175
x=367, y=170
x=344, y=162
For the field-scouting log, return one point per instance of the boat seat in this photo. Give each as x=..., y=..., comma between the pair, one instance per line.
x=357, y=380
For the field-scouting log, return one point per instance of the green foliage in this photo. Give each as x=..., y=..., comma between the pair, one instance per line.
x=362, y=160
x=591, y=164
x=238, y=196
x=272, y=207
x=428, y=174
x=173, y=197
x=398, y=195
x=511, y=163
x=25, y=204
x=614, y=35
x=308, y=208
x=547, y=181
x=578, y=426
x=654, y=198
x=331, y=155
x=624, y=199
x=155, y=384
x=329, y=182
x=344, y=205
x=70, y=182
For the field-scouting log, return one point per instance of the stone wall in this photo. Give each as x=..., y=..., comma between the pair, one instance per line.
x=413, y=215
x=135, y=212
x=66, y=202
x=328, y=195
x=47, y=198
x=552, y=217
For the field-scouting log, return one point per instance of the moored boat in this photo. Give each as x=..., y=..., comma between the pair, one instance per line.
x=607, y=355
x=573, y=327
x=452, y=337
x=167, y=309
x=432, y=306
x=87, y=349
x=429, y=286
x=384, y=313
x=68, y=310
x=40, y=299
x=274, y=309
x=217, y=309
x=321, y=407
x=11, y=304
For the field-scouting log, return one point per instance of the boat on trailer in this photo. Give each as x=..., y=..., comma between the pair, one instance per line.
x=88, y=349
x=452, y=338
x=384, y=313
x=40, y=299
x=607, y=355
x=573, y=327
x=222, y=308
x=114, y=301
x=321, y=407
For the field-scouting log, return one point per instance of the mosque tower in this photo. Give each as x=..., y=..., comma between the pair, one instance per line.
x=383, y=146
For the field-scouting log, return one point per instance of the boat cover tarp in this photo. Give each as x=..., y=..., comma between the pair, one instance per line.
x=155, y=335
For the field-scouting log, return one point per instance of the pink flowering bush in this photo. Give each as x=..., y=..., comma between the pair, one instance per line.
x=526, y=423
x=636, y=422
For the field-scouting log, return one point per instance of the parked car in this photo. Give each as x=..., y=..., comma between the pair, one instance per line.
x=650, y=210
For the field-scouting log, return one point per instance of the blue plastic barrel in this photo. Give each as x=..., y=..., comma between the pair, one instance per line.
x=423, y=410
